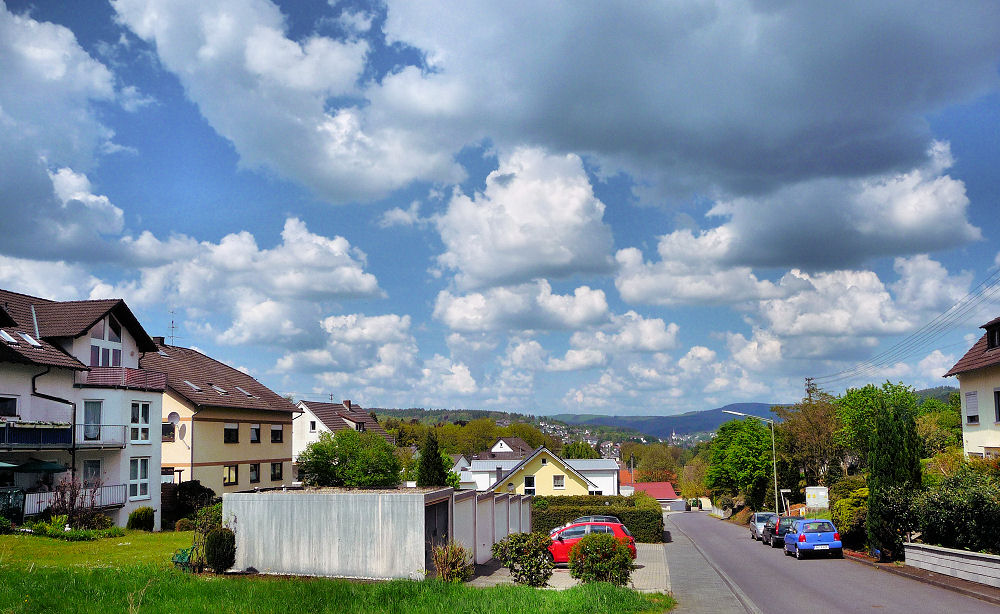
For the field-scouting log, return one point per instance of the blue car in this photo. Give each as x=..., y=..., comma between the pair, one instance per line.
x=813, y=535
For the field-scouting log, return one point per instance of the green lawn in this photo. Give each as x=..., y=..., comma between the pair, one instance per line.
x=133, y=574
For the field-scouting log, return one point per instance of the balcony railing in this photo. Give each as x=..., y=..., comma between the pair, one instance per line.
x=122, y=377
x=28, y=436
x=100, y=435
x=97, y=498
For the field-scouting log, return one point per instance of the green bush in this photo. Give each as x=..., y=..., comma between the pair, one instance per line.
x=845, y=487
x=527, y=556
x=601, y=557
x=641, y=513
x=191, y=497
x=184, y=524
x=208, y=518
x=849, y=514
x=5, y=526
x=141, y=519
x=452, y=562
x=91, y=519
x=220, y=549
x=963, y=512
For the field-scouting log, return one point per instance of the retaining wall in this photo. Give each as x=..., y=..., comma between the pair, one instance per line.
x=974, y=566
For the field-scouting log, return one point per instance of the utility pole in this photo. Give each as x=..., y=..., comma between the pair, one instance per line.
x=810, y=389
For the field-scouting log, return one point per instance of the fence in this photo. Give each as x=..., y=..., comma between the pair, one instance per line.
x=105, y=496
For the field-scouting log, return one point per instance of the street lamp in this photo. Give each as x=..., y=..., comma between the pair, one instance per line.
x=774, y=456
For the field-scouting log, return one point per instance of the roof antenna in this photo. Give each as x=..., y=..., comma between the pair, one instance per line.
x=173, y=327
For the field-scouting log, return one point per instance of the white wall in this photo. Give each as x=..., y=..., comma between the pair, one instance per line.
x=606, y=480
x=976, y=438
x=301, y=435
x=484, y=528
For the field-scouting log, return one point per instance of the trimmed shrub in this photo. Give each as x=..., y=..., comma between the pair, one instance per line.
x=601, y=557
x=184, y=524
x=641, y=513
x=963, y=512
x=192, y=496
x=527, y=556
x=220, y=549
x=5, y=526
x=141, y=518
x=92, y=520
x=452, y=562
x=845, y=487
x=849, y=515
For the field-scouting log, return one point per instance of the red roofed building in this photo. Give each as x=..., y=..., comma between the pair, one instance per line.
x=661, y=491
x=318, y=418
x=978, y=373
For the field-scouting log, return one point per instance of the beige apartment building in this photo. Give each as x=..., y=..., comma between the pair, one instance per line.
x=220, y=426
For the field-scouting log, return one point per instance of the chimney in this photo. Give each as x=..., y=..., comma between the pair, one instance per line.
x=499, y=474
x=347, y=404
x=160, y=340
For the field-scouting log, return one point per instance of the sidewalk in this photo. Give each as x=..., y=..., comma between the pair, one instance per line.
x=650, y=575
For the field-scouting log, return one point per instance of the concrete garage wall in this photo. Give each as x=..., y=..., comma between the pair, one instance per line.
x=484, y=528
x=974, y=566
x=350, y=534
x=465, y=520
x=500, y=507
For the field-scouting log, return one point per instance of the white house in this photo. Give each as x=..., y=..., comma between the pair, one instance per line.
x=601, y=472
x=978, y=374
x=75, y=405
x=318, y=418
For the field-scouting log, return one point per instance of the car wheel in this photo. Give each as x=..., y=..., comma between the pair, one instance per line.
x=838, y=554
x=798, y=553
x=774, y=542
x=764, y=539
x=784, y=550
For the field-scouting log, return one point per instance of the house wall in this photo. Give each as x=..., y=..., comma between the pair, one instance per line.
x=606, y=480
x=15, y=380
x=177, y=453
x=211, y=453
x=302, y=436
x=80, y=349
x=977, y=438
x=355, y=534
x=543, y=478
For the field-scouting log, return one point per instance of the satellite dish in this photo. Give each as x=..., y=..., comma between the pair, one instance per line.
x=181, y=431
x=173, y=417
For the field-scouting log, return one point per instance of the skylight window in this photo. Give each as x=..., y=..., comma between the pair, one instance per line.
x=218, y=389
x=162, y=353
x=244, y=392
x=30, y=340
x=193, y=387
x=6, y=337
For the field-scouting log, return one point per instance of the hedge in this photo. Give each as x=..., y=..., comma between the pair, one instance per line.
x=641, y=513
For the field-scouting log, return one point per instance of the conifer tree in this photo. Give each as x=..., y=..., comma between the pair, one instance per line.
x=431, y=470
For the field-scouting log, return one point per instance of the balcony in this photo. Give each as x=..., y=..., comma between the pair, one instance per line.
x=102, y=497
x=36, y=436
x=122, y=377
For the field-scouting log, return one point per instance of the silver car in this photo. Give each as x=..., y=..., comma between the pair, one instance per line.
x=757, y=521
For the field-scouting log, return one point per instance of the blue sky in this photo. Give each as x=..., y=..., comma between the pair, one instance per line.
x=629, y=208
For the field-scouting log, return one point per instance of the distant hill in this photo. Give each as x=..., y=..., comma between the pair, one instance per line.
x=941, y=393
x=663, y=426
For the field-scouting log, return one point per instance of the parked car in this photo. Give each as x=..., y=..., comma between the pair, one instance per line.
x=774, y=530
x=596, y=519
x=565, y=538
x=813, y=535
x=757, y=523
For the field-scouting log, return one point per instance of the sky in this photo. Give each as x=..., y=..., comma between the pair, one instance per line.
x=559, y=207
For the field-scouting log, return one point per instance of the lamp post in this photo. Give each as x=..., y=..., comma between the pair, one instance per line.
x=774, y=456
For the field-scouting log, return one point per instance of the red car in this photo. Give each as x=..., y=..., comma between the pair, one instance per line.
x=564, y=538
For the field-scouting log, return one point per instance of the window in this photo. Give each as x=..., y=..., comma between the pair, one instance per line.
x=138, y=478
x=139, y=427
x=360, y=427
x=574, y=532
x=277, y=435
x=231, y=433
x=254, y=433
x=218, y=389
x=600, y=528
x=92, y=420
x=529, y=484
x=230, y=475
x=993, y=337
x=8, y=406
x=559, y=482
x=106, y=343
x=312, y=426
x=254, y=473
x=91, y=472
x=275, y=472
x=168, y=431
x=996, y=404
x=972, y=408
x=545, y=461
x=594, y=492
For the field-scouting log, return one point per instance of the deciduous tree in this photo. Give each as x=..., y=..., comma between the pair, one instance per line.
x=580, y=449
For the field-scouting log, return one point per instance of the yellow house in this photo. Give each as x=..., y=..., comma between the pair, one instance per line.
x=544, y=473
x=220, y=426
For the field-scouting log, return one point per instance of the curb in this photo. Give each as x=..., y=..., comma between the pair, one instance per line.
x=945, y=584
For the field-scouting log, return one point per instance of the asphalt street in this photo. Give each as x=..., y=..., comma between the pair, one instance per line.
x=715, y=567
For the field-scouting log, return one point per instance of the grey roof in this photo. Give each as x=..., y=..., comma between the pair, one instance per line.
x=491, y=465
x=584, y=464
x=527, y=460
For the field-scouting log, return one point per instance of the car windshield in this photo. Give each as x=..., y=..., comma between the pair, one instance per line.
x=764, y=517
x=625, y=529
x=817, y=527
x=787, y=522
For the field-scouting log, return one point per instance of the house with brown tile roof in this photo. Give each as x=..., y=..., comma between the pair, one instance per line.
x=505, y=448
x=318, y=418
x=72, y=393
x=220, y=426
x=978, y=374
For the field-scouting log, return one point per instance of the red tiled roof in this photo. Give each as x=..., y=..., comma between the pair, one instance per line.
x=17, y=307
x=74, y=318
x=978, y=357
x=184, y=364
x=333, y=415
x=657, y=490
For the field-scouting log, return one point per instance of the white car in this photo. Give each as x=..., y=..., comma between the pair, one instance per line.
x=757, y=521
